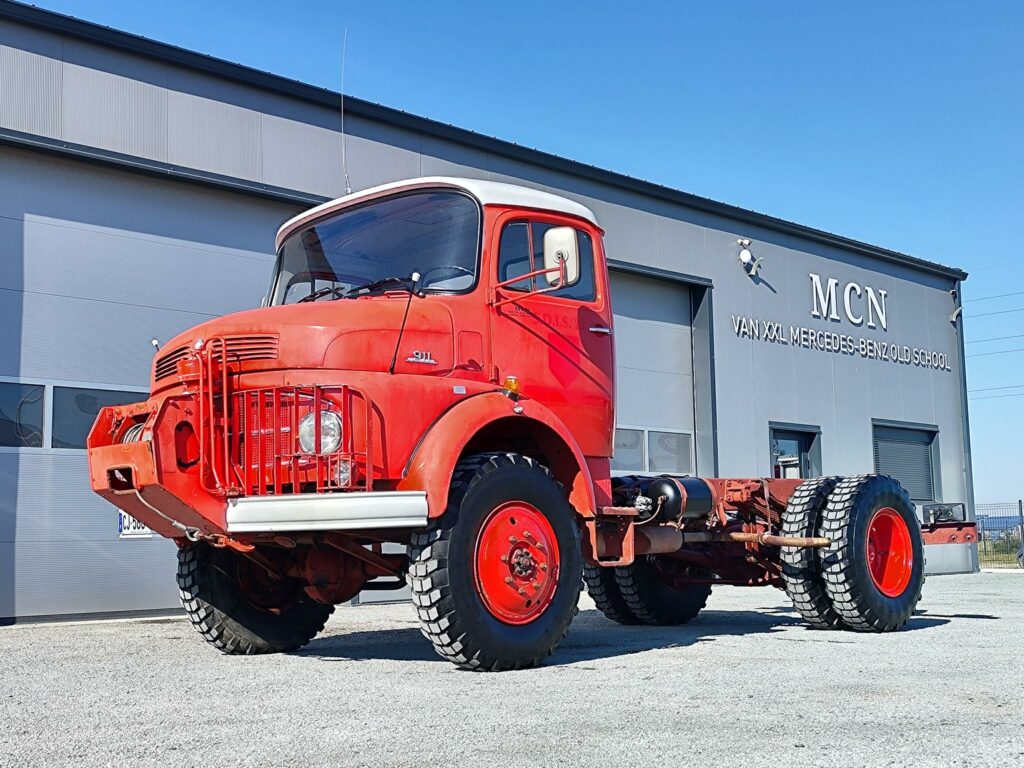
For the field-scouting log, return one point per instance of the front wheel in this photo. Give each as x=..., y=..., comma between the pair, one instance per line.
x=874, y=568
x=496, y=579
x=239, y=609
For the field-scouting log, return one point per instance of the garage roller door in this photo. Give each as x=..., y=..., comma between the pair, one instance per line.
x=906, y=454
x=654, y=375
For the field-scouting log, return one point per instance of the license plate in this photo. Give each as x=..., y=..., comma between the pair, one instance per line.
x=130, y=528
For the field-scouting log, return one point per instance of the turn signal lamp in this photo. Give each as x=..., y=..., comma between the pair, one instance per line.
x=511, y=385
x=188, y=368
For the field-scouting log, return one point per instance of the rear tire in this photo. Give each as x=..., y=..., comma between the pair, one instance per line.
x=497, y=577
x=652, y=600
x=801, y=568
x=874, y=569
x=239, y=621
x=604, y=591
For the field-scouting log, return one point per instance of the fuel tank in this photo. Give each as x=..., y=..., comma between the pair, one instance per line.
x=673, y=497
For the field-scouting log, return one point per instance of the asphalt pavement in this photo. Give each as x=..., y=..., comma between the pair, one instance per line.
x=744, y=684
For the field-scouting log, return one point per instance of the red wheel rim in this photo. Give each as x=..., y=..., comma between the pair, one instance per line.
x=516, y=563
x=890, y=552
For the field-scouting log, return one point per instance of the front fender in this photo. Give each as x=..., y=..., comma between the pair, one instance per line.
x=433, y=462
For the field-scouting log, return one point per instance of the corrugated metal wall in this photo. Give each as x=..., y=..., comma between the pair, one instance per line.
x=93, y=263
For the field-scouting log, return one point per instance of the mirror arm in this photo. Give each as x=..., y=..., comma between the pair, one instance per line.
x=562, y=277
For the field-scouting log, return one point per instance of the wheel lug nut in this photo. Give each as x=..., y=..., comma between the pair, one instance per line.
x=509, y=580
x=512, y=539
x=504, y=558
x=543, y=566
x=522, y=591
x=535, y=585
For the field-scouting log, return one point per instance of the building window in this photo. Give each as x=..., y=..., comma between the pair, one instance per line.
x=669, y=452
x=651, y=450
x=21, y=415
x=910, y=455
x=75, y=409
x=521, y=251
x=795, y=450
x=629, y=450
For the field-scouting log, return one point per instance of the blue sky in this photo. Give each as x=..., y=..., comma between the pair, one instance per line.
x=898, y=123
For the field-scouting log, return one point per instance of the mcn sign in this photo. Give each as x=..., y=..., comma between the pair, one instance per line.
x=863, y=306
x=856, y=302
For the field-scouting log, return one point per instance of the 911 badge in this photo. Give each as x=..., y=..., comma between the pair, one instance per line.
x=422, y=357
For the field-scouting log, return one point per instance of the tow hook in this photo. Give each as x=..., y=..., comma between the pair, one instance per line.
x=218, y=540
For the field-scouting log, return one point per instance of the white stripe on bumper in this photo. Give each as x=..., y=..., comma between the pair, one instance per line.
x=327, y=512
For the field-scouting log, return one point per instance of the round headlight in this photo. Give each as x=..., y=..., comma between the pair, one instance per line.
x=330, y=433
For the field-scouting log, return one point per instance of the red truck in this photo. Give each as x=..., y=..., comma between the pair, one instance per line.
x=433, y=367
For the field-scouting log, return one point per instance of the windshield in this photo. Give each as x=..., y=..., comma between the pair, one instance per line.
x=382, y=243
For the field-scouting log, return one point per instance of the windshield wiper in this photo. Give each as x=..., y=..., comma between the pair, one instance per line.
x=337, y=290
x=407, y=283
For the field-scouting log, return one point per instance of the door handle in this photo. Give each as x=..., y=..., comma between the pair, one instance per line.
x=600, y=329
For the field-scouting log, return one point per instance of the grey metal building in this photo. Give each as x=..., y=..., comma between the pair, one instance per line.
x=140, y=189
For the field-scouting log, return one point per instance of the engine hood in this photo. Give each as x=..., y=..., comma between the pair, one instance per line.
x=348, y=334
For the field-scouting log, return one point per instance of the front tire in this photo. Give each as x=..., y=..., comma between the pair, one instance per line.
x=237, y=609
x=496, y=578
x=874, y=569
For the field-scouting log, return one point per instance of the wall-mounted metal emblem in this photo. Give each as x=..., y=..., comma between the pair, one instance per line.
x=423, y=357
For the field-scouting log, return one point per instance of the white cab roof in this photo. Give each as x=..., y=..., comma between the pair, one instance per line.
x=486, y=192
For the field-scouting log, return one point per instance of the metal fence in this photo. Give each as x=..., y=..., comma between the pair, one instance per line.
x=1000, y=533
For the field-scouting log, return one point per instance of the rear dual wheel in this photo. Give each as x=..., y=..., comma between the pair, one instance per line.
x=650, y=590
x=874, y=570
x=870, y=578
x=603, y=589
x=657, y=591
x=801, y=570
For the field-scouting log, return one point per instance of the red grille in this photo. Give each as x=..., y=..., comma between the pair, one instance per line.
x=254, y=347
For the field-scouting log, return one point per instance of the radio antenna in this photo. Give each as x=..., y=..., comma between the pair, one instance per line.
x=344, y=138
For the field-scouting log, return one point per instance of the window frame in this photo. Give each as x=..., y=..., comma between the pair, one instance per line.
x=812, y=431
x=480, y=227
x=599, y=301
x=47, y=448
x=44, y=436
x=645, y=444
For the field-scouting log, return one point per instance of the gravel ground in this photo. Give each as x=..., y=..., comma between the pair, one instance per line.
x=745, y=683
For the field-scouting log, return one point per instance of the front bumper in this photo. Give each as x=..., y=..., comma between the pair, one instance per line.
x=327, y=512
x=183, y=472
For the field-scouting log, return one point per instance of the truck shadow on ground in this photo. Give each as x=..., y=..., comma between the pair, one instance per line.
x=594, y=637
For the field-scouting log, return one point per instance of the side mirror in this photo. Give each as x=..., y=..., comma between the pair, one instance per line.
x=562, y=253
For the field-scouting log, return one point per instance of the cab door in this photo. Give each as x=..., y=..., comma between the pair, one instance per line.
x=559, y=344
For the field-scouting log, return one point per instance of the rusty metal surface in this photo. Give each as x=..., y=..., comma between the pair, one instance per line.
x=771, y=540
x=950, y=533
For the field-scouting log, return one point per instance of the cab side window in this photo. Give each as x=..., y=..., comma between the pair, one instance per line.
x=514, y=255
x=521, y=251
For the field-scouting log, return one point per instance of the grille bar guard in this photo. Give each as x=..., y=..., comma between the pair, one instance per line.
x=248, y=440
